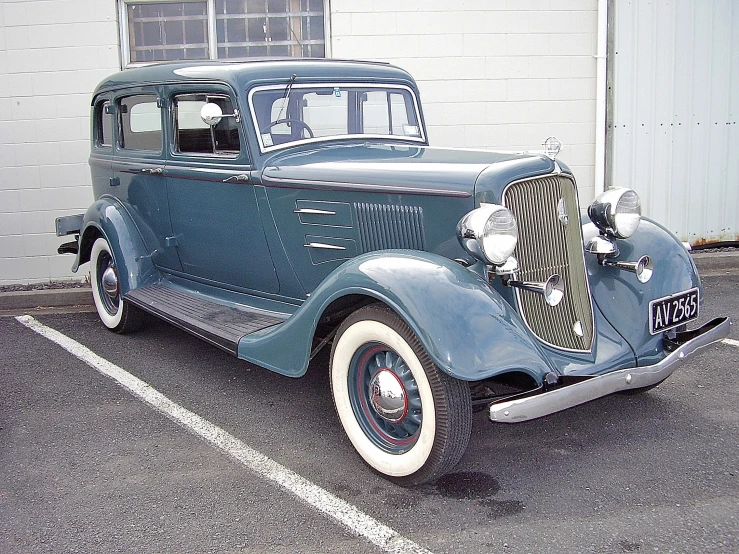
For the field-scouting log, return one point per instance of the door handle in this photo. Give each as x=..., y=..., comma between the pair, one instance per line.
x=153, y=171
x=243, y=178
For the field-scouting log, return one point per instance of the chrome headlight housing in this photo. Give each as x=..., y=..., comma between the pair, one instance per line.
x=489, y=233
x=616, y=212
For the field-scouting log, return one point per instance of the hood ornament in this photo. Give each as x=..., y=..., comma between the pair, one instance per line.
x=552, y=146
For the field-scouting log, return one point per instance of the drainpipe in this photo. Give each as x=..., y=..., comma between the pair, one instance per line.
x=601, y=97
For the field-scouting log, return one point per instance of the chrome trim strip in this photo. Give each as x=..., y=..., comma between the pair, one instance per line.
x=269, y=181
x=532, y=407
x=313, y=211
x=324, y=246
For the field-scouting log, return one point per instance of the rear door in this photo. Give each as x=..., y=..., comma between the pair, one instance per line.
x=138, y=166
x=213, y=207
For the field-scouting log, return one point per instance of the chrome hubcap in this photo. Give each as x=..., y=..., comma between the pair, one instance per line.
x=387, y=396
x=109, y=281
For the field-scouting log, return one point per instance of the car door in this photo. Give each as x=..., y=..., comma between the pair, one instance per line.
x=138, y=167
x=213, y=207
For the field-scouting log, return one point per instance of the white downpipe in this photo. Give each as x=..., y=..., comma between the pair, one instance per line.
x=600, y=98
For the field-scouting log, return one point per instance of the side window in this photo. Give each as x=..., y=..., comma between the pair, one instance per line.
x=103, y=131
x=140, y=123
x=193, y=136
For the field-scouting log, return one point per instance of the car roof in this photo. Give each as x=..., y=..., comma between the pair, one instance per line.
x=242, y=74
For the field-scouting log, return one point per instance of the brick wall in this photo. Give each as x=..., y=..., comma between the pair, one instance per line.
x=492, y=74
x=52, y=54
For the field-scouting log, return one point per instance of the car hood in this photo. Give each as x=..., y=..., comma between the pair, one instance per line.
x=403, y=169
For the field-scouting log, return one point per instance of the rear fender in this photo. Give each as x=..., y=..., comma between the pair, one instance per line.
x=469, y=331
x=107, y=218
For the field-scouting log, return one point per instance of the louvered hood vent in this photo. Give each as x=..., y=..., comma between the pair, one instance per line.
x=383, y=227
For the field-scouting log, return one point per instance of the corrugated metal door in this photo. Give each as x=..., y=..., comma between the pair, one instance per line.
x=675, y=106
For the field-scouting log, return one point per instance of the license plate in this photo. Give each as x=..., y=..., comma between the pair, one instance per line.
x=672, y=311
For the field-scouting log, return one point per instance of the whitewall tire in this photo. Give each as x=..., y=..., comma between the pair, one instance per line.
x=407, y=420
x=115, y=313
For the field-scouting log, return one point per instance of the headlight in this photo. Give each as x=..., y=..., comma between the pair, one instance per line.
x=489, y=233
x=616, y=212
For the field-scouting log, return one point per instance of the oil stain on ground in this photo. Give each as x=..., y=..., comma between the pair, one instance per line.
x=479, y=487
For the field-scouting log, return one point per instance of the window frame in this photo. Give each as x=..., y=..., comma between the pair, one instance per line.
x=98, y=115
x=421, y=139
x=212, y=39
x=174, y=142
x=121, y=136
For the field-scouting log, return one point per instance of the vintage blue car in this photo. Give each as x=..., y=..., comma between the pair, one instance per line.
x=275, y=207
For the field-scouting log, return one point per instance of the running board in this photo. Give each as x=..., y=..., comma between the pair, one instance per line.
x=222, y=326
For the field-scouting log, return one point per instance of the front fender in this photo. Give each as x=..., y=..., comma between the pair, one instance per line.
x=469, y=331
x=109, y=218
x=623, y=300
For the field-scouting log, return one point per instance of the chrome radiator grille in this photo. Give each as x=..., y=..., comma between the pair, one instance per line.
x=547, y=245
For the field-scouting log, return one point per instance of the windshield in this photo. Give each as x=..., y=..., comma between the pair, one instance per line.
x=286, y=115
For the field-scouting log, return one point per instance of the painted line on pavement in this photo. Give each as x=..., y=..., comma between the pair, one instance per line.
x=732, y=342
x=334, y=507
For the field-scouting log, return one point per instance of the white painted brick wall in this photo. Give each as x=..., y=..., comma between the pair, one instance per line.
x=52, y=55
x=492, y=73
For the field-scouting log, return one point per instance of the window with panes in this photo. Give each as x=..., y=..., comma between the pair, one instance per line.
x=221, y=29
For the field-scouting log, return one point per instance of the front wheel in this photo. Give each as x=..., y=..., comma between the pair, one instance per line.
x=407, y=420
x=115, y=313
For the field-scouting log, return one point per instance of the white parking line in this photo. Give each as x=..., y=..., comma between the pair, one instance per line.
x=732, y=342
x=348, y=515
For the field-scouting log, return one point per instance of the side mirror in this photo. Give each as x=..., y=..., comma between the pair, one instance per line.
x=211, y=114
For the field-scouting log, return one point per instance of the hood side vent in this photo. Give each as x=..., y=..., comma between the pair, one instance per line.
x=382, y=227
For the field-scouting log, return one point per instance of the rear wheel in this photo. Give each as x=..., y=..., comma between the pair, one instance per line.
x=407, y=420
x=115, y=313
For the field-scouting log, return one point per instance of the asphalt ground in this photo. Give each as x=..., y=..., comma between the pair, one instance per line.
x=85, y=466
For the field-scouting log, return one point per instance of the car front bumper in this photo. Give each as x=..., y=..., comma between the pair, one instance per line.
x=532, y=407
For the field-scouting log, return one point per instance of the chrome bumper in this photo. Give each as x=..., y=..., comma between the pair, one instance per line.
x=532, y=407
